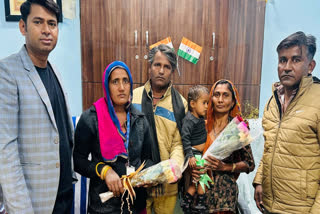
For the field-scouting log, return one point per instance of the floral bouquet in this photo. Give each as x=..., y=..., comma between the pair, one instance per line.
x=234, y=136
x=167, y=171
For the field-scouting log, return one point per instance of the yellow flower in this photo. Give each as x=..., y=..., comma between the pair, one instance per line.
x=243, y=136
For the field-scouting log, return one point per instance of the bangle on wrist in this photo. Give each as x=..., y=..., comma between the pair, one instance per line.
x=233, y=167
x=97, y=168
x=104, y=171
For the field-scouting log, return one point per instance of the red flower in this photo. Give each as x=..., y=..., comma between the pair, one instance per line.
x=239, y=118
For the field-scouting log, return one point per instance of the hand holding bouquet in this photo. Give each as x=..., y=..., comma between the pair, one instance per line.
x=234, y=136
x=167, y=171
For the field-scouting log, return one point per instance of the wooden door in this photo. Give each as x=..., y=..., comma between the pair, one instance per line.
x=239, y=28
x=108, y=33
x=110, y=30
x=177, y=19
x=236, y=53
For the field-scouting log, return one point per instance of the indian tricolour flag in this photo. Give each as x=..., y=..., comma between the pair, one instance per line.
x=189, y=50
x=166, y=41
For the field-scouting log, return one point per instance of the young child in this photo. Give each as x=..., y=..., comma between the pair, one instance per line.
x=194, y=136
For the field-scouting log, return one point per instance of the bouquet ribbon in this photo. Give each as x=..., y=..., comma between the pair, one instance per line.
x=126, y=182
x=204, y=178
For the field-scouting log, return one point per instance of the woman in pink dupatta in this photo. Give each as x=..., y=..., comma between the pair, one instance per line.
x=116, y=135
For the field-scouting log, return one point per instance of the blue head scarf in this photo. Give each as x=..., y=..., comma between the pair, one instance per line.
x=110, y=68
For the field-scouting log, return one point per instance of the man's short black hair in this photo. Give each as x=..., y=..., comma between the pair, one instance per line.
x=299, y=39
x=48, y=4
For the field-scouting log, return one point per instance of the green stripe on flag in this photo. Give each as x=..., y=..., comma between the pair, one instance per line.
x=187, y=56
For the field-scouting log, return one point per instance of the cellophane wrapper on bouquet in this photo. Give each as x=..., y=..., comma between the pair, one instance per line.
x=167, y=171
x=234, y=136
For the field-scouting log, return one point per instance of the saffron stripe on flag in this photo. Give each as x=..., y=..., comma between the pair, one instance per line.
x=191, y=44
x=166, y=41
x=188, y=57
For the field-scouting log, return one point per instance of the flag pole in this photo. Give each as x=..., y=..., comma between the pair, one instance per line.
x=178, y=65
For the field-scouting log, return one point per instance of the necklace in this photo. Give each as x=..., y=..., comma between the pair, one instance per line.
x=124, y=125
x=215, y=133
